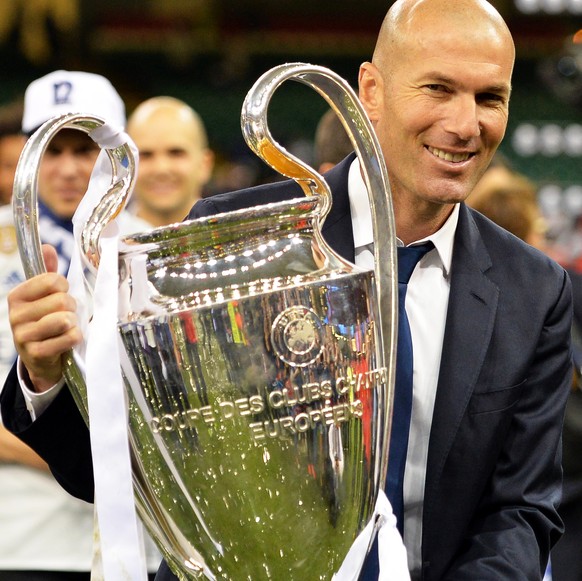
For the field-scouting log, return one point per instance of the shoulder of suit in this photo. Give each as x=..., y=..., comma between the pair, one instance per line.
x=277, y=191
x=246, y=198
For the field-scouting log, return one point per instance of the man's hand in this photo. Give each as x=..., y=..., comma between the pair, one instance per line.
x=44, y=323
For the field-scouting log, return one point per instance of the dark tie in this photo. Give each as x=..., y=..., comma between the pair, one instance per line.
x=408, y=257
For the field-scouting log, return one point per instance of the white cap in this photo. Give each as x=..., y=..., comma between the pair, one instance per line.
x=64, y=92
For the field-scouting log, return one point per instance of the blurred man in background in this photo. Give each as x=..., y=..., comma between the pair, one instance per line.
x=331, y=143
x=175, y=162
x=11, y=143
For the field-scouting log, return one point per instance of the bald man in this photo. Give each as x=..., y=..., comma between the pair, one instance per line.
x=490, y=316
x=175, y=162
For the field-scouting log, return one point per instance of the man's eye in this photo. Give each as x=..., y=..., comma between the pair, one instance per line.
x=436, y=88
x=493, y=98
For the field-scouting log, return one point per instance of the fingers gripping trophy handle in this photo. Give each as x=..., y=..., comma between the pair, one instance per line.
x=343, y=100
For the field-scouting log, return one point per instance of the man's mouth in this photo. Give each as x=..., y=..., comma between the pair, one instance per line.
x=447, y=156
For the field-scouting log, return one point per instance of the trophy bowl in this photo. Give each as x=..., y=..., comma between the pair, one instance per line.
x=253, y=400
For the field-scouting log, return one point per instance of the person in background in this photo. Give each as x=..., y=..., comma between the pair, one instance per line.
x=331, y=143
x=17, y=460
x=175, y=162
x=510, y=200
x=11, y=143
x=45, y=533
x=490, y=317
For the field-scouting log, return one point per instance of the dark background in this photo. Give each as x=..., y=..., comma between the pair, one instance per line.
x=210, y=52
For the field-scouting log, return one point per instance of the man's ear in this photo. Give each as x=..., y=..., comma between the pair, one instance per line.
x=207, y=166
x=371, y=90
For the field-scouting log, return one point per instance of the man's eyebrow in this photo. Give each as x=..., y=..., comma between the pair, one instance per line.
x=438, y=78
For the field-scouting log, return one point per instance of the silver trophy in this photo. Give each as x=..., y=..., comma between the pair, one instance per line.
x=259, y=365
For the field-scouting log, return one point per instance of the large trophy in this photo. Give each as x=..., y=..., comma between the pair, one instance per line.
x=258, y=364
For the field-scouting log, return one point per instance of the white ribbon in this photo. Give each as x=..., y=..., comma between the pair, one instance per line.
x=119, y=536
x=391, y=550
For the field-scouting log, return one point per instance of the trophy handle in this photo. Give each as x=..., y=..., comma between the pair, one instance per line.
x=25, y=191
x=343, y=100
x=25, y=208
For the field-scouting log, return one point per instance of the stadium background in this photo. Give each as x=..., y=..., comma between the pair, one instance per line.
x=210, y=52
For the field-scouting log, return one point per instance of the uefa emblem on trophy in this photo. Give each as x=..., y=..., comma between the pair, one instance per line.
x=258, y=364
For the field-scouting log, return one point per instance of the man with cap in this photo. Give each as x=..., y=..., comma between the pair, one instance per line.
x=45, y=533
x=69, y=159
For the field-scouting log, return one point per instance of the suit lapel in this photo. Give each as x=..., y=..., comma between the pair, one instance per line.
x=337, y=228
x=470, y=319
x=466, y=336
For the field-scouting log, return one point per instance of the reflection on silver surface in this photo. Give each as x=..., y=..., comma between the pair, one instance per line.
x=262, y=390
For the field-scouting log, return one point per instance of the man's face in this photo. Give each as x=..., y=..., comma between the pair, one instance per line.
x=173, y=165
x=442, y=112
x=65, y=171
x=10, y=148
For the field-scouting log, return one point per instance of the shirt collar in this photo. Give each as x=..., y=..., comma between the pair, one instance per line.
x=443, y=239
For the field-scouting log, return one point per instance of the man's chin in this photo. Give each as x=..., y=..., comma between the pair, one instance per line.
x=449, y=192
x=66, y=213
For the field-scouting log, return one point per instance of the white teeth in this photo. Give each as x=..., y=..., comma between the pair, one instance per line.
x=454, y=157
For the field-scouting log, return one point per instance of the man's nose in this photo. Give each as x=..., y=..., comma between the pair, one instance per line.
x=68, y=164
x=463, y=118
x=160, y=163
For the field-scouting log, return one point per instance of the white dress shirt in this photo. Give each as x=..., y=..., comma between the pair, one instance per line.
x=426, y=304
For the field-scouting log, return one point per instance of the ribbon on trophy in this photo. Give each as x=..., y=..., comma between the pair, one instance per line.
x=391, y=550
x=120, y=542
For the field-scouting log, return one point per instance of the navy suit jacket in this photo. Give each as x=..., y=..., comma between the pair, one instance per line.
x=494, y=461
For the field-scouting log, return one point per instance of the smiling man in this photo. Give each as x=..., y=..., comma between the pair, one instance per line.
x=490, y=316
x=439, y=101
x=175, y=162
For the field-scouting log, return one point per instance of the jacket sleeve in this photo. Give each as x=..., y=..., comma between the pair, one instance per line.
x=59, y=436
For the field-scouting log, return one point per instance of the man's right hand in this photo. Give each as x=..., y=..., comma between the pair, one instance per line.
x=44, y=323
